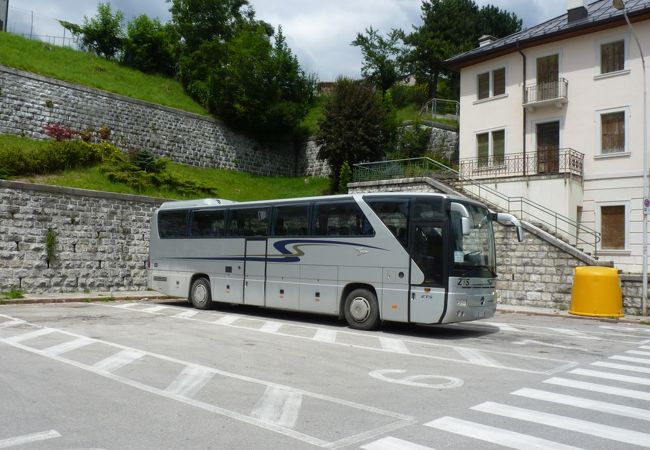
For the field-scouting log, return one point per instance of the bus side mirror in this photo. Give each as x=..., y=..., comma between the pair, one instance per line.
x=466, y=225
x=466, y=221
x=509, y=218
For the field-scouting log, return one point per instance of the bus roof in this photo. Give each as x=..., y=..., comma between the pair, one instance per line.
x=212, y=202
x=196, y=203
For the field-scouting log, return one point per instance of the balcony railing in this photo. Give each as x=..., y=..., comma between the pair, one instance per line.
x=546, y=92
x=564, y=161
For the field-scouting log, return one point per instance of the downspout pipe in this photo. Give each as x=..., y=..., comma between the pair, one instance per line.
x=523, y=96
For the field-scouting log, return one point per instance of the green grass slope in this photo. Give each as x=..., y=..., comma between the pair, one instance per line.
x=90, y=70
x=238, y=186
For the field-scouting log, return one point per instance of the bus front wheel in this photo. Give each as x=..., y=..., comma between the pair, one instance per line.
x=362, y=310
x=200, y=294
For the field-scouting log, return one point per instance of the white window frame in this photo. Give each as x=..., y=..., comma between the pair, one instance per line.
x=490, y=73
x=625, y=37
x=491, y=145
x=598, y=212
x=599, y=141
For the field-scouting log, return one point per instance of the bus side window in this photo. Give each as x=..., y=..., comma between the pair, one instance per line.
x=394, y=213
x=207, y=224
x=341, y=218
x=172, y=224
x=291, y=220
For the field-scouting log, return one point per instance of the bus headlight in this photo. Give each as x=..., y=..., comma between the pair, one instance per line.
x=462, y=303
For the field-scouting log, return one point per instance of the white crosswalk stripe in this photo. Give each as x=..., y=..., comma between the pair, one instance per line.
x=495, y=435
x=611, y=376
x=603, y=389
x=627, y=367
x=624, y=435
x=578, y=402
x=630, y=359
x=186, y=314
x=637, y=352
x=613, y=385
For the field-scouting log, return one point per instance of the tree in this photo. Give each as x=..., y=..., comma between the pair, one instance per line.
x=382, y=57
x=149, y=46
x=203, y=28
x=450, y=27
x=497, y=22
x=102, y=34
x=258, y=86
x=357, y=126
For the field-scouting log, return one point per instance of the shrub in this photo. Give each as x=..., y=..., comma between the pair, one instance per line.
x=57, y=156
x=59, y=131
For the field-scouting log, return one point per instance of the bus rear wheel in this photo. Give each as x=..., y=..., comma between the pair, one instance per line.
x=200, y=294
x=361, y=310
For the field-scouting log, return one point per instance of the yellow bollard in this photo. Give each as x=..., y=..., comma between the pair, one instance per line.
x=596, y=292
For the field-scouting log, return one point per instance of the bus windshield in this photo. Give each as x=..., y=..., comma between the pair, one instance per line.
x=473, y=255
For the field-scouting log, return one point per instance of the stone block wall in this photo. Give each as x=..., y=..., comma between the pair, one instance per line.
x=28, y=102
x=102, y=239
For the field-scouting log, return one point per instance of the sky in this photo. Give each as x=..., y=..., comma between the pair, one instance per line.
x=319, y=32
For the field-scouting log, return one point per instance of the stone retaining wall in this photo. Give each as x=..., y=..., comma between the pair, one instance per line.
x=535, y=272
x=102, y=239
x=28, y=102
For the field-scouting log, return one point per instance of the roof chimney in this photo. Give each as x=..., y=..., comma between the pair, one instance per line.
x=576, y=10
x=486, y=39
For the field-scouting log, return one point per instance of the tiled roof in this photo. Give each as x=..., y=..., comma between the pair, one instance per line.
x=599, y=12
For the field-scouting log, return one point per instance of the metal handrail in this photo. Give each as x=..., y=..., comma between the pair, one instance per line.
x=544, y=161
x=426, y=167
x=441, y=107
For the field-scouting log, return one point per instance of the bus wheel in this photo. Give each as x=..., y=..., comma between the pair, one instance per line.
x=362, y=310
x=200, y=294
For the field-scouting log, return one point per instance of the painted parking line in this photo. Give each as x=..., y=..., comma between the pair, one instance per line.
x=68, y=346
x=190, y=381
x=519, y=362
x=278, y=410
x=279, y=406
x=29, y=438
x=495, y=435
x=393, y=443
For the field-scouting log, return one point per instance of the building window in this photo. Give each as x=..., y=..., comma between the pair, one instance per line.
x=491, y=147
x=612, y=227
x=491, y=84
x=612, y=132
x=612, y=57
x=499, y=81
x=483, y=85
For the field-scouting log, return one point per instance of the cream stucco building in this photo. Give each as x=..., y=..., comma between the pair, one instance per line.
x=554, y=114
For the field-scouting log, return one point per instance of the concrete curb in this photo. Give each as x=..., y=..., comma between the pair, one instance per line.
x=136, y=296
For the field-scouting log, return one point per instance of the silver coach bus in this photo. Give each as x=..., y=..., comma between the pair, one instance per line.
x=403, y=257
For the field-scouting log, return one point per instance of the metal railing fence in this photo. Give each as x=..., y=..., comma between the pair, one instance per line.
x=561, y=226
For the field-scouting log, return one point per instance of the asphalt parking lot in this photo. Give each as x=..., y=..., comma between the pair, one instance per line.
x=138, y=375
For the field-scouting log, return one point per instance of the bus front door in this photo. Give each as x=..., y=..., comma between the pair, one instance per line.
x=255, y=272
x=427, y=249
